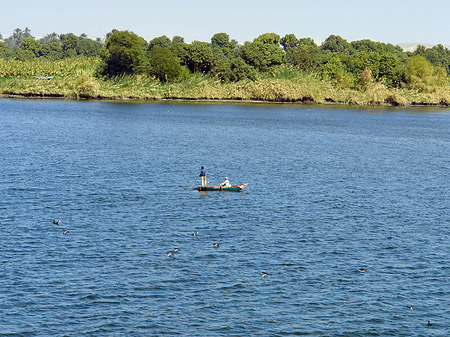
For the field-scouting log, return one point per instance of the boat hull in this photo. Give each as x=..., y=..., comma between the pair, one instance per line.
x=233, y=188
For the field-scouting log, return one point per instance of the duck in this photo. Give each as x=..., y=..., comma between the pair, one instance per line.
x=65, y=231
x=411, y=307
x=169, y=254
x=362, y=270
x=216, y=245
x=264, y=274
x=195, y=233
x=429, y=324
x=56, y=222
x=176, y=250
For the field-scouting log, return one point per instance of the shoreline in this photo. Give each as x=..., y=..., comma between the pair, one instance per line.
x=308, y=101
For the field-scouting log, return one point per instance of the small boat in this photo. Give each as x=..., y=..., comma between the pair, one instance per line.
x=233, y=188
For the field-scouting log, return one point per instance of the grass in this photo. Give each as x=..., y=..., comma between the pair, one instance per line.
x=73, y=78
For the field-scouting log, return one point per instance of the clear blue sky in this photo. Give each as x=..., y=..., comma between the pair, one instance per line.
x=393, y=21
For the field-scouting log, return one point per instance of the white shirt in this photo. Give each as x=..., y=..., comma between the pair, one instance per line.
x=226, y=183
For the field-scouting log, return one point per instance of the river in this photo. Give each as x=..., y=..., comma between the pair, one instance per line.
x=332, y=190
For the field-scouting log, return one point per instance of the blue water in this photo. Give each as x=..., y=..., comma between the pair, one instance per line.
x=331, y=190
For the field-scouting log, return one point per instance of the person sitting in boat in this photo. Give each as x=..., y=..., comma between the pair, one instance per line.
x=226, y=183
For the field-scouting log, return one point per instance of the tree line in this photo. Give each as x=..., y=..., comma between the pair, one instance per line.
x=23, y=46
x=348, y=64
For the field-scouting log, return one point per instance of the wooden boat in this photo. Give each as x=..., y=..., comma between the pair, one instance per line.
x=233, y=188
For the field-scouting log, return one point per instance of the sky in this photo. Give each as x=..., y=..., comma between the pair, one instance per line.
x=390, y=21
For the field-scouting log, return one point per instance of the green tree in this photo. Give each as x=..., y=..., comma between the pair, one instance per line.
x=376, y=47
x=333, y=70
x=221, y=69
x=31, y=45
x=199, y=57
x=240, y=70
x=179, y=48
x=163, y=64
x=305, y=55
x=421, y=75
x=162, y=41
x=420, y=50
x=290, y=43
x=17, y=37
x=69, y=44
x=438, y=56
x=88, y=47
x=222, y=45
x=52, y=50
x=5, y=51
x=122, y=54
x=263, y=52
x=336, y=44
x=360, y=61
x=53, y=37
x=391, y=70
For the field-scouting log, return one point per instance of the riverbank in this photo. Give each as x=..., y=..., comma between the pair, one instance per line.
x=75, y=80
x=305, y=90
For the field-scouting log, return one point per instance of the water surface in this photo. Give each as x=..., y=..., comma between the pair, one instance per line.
x=332, y=190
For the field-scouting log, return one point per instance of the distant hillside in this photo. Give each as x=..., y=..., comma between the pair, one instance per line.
x=412, y=46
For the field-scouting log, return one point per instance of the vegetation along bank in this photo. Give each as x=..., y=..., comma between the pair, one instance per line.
x=270, y=68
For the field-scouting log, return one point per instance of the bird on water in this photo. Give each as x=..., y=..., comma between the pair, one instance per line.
x=263, y=274
x=56, y=222
x=195, y=233
x=411, y=307
x=216, y=245
x=176, y=250
x=169, y=254
x=429, y=324
x=362, y=270
x=65, y=232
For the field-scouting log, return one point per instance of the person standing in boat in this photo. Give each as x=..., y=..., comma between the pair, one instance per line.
x=203, y=176
x=226, y=183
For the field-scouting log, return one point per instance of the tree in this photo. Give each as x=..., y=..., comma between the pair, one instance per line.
x=305, y=55
x=263, y=52
x=222, y=49
x=221, y=69
x=88, y=47
x=162, y=41
x=163, y=64
x=420, y=50
x=69, y=44
x=376, y=47
x=199, y=57
x=269, y=38
x=52, y=50
x=420, y=74
x=336, y=44
x=122, y=54
x=31, y=45
x=17, y=37
x=360, y=61
x=221, y=44
x=53, y=37
x=240, y=70
x=5, y=51
x=179, y=49
x=438, y=56
x=388, y=63
x=290, y=43
x=333, y=70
